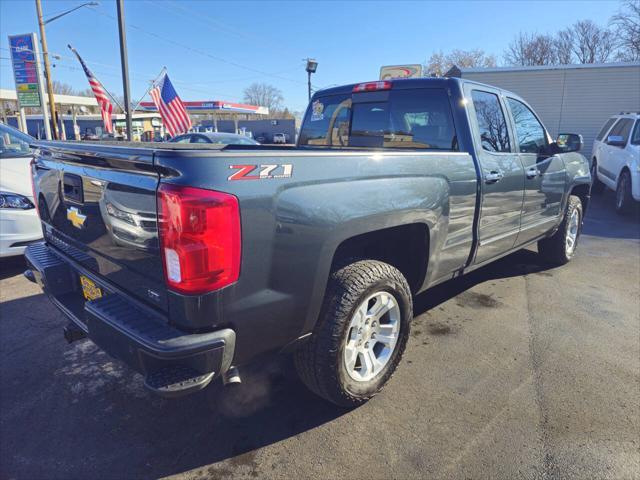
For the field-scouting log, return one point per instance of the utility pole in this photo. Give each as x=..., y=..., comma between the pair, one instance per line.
x=125, y=68
x=47, y=72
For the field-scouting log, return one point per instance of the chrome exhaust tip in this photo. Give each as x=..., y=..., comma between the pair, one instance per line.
x=231, y=376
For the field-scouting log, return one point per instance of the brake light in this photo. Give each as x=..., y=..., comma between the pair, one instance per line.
x=372, y=86
x=199, y=234
x=33, y=184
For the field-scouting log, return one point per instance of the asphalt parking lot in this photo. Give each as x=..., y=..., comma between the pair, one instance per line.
x=516, y=370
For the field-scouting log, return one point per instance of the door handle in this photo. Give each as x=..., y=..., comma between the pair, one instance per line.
x=493, y=176
x=532, y=172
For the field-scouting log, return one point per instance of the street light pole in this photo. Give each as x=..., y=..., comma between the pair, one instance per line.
x=312, y=66
x=125, y=68
x=47, y=71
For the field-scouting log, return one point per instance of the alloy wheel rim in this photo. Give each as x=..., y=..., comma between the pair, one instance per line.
x=372, y=336
x=572, y=232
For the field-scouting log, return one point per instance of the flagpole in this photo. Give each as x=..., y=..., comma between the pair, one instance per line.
x=98, y=80
x=164, y=69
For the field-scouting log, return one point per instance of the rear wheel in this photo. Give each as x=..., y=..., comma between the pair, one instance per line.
x=624, y=200
x=361, y=333
x=596, y=185
x=561, y=246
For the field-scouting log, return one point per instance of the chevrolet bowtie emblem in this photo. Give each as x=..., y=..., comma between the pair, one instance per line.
x=75, y=217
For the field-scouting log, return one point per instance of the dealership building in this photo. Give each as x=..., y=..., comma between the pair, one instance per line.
x=568, y=98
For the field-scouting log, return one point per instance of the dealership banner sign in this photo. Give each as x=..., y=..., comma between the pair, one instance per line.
x=26, y=69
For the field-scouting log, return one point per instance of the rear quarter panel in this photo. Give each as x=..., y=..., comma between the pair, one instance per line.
x=291, y=227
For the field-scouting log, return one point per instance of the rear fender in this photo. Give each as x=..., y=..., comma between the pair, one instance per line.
x=313, y=220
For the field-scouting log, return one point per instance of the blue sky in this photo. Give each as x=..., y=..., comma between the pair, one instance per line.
x=213, y=50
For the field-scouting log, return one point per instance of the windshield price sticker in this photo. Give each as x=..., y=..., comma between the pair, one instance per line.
x=316, y=111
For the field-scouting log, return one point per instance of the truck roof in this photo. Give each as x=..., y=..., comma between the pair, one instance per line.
x=426, y=82
x=405, y=83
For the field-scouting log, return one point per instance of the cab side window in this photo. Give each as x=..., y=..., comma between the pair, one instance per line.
x=531, y=135
x=494, y=135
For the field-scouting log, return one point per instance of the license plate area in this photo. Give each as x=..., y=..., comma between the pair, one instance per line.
x=90, y=291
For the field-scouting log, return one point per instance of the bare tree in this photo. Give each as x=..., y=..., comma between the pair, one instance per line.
x=87, y=92
x=627, y=28
x=264, y=95
x=563, y=44
x=529, y=49
x=62, y=88
x=440, y=63
x=592, y=43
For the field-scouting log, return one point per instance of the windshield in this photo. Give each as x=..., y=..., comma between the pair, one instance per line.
x=416, y=118
x=13, y=143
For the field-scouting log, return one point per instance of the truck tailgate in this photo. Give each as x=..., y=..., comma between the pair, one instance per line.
x=98, y=207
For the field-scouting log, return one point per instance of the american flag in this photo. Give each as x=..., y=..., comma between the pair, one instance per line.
x=174, y=114
x=106, y=108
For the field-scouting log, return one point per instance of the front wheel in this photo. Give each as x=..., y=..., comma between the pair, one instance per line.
x=360, y=335
x=560, y=248
x=624, y=200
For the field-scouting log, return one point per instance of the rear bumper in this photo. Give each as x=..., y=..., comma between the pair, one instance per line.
x=173, y=362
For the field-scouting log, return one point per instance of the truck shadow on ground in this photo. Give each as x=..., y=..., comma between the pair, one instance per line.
x=523, y=262
x=70, y=411
x=99, y=407
x=12, y=266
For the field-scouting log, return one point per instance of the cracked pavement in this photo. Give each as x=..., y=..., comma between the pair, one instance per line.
x=515, y=370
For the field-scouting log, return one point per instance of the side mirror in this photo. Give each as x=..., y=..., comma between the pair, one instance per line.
x=616, y=140
x=569, y=142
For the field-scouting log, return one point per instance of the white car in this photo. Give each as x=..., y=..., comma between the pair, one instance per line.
x=279, y=138
x=19, y=222
x=615, y=159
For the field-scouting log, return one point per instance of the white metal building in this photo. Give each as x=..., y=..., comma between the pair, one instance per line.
x=570, y=98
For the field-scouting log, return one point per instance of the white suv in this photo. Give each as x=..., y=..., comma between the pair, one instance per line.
x=616, y=159
x=279, y=138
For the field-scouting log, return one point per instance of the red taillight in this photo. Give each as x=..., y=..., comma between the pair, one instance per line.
x=372, y=86
x=199, y=238
x=32, y=172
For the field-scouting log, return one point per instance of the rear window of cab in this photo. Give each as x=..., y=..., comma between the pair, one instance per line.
x=412, y=119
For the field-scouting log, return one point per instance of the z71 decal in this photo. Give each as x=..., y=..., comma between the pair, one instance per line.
x=260, y=172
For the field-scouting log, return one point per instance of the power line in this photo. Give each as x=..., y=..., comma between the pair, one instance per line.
x=185, y=85
x=200, y=52
x=212, y=22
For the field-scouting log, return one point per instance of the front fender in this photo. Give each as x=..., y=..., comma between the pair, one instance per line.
x=578, y=173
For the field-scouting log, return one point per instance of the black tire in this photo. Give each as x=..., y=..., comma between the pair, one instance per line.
x=624, y=199
x=319, y=362
x=596, y=185
x=553, y=249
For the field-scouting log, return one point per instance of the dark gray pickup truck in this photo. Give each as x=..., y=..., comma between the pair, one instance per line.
x=188, y=261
